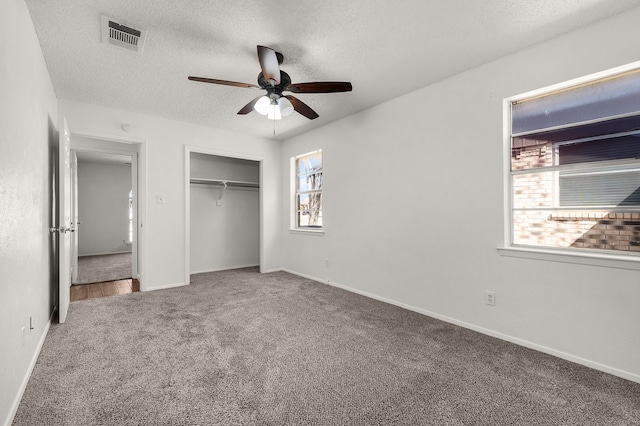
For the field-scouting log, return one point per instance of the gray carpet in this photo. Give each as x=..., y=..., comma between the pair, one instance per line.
x=108, y=267
x=241, y=348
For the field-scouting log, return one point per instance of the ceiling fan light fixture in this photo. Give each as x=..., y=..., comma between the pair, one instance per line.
x=286, y=108
x=263, y=105
x=274, y=112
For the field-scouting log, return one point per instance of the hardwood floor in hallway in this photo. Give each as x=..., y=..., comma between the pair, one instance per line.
x=105, y=289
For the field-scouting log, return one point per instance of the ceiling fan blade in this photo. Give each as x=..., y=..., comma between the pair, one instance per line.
x=280, y=57
x=302, y=108
x=320, y=87
x=224, y=82
x=269, y=64
x=249, y=107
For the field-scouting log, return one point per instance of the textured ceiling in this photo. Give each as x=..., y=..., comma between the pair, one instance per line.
x=385, y=48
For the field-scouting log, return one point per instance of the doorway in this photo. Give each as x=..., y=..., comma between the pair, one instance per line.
x=223, y=209
x=105, y=211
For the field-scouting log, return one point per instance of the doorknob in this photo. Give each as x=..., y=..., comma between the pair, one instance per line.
x=61, y=230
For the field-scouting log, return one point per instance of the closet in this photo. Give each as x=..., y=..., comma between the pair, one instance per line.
x=224, y=212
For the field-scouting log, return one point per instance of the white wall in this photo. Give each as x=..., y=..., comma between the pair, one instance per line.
x=163, y=263
x=413, y=209
x=28, y=122
x=224, y=234
x=103, y=208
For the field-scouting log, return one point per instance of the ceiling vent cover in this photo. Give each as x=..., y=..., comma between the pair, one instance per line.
x=123, y=35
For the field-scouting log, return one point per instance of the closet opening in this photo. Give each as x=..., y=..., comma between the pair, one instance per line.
x=223, y=213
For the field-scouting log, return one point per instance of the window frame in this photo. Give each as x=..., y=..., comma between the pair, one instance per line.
x=591, y=257
x=130, y=214
x=294, y=226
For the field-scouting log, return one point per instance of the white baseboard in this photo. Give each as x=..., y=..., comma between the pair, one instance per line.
x=27, y=376
x=163, y=287
x=540, y=348
x=309, y=277
x=226, y=268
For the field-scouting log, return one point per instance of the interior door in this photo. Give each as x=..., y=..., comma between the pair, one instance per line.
x=64, y=226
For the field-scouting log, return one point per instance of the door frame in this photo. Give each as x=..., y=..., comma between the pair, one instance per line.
x=187, y=202
x=108, y=144
x=74, y=216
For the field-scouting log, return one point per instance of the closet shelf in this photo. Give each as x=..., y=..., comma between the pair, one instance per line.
x=224, y=182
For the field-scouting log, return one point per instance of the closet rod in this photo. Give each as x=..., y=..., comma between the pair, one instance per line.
x=228, y=183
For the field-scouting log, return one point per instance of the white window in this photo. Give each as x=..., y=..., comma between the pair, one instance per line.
x=575, y=167
x=307, y=193
x=131, y=216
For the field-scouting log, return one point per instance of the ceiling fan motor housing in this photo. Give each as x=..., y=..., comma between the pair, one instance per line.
x=274, y=91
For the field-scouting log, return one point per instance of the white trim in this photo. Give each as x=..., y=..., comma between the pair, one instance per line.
x=559, y=255
x=187, y=214
x=27, y=376
x=300, y=274
x=139, y=187
x=527, y=344
x=507, y=177
x=188, y=149
x=317, y=233
x=224, y=269
x=163, y=287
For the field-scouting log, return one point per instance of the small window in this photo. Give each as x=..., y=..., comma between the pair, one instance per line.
x=308, y=190
x=131, y=216
x=575, y=167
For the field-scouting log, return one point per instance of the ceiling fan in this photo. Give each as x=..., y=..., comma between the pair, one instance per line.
x=274, y=104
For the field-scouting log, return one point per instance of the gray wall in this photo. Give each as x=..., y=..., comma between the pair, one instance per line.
x=28, y=134
x=103, y=208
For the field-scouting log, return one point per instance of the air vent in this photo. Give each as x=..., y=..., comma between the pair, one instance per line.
x=123, y=35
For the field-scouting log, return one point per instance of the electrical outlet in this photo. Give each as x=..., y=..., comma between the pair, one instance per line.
x=326, y=263
x=490, y=298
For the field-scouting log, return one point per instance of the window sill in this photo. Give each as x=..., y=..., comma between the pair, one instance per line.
x=581, y=258
x=315, y=232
